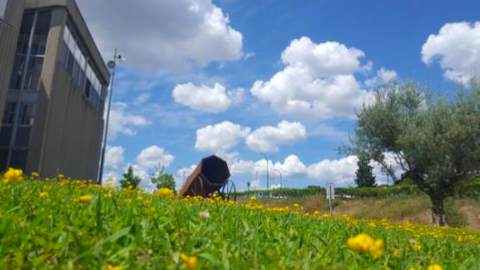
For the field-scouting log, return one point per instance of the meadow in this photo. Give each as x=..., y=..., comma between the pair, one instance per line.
x=64, y=224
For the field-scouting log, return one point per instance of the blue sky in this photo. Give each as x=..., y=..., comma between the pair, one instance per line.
x=237, y=78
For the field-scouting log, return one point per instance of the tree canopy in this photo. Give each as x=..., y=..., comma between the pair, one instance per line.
x=364, y=174
x=435, y=139
x=163, y=180
x=130, y=180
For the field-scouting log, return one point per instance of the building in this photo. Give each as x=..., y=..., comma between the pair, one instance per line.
x=53, y=84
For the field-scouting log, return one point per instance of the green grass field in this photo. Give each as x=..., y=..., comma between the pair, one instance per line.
x=59, y=224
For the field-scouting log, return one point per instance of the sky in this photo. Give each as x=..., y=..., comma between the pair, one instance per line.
x=281, y=79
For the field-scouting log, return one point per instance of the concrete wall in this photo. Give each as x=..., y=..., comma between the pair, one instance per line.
x=8, y=43
x=68, y=130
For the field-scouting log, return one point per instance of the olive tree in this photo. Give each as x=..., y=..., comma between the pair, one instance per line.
x=435, y=139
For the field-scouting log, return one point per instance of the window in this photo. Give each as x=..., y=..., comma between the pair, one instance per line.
x=3, y=8
x=76, y=61
x=9, y=113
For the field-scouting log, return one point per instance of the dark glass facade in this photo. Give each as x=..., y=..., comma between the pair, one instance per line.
x=77, y=63
x=20, y=109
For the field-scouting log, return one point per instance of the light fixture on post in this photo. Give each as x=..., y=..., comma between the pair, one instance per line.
x=112, y=65
x=268, y=178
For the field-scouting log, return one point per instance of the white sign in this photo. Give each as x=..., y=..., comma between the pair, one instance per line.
x=330, y=191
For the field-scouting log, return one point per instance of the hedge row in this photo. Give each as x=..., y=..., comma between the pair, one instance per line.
x=468, y=190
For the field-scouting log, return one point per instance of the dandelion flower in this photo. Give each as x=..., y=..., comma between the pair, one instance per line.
x=43, y=195
x=435, y=266
x=112, y=267
x=13, y=175
x=86, y=198
x=189, y=262
x=366, y=244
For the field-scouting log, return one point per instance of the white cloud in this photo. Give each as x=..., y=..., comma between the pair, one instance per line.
x=384, y=76
x=457, y=48
x=220, y=138
x=292, y=166
x=268, y=138
x=114, y=157
x=163, y=35
x=206, y=99
x=341, y=171
x=183, y=174
x=123, y=122
x=317, y=82
x=154, y=156
x=141, y=99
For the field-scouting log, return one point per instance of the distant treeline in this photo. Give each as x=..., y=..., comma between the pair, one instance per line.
x=468, y=189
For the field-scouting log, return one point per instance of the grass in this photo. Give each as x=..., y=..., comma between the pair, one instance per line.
x=461, y=212
x=73, y=225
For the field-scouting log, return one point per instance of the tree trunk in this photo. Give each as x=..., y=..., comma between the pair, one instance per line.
x=439, y=217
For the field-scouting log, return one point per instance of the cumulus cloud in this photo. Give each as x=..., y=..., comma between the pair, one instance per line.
x=384, y=76
x=457, y=49
x=292, y=166
x=123, y=122
x=340, y=171
x=114, y=157
x=220, y=138
x=268, y=138
x=317, y=82
x=206, y=99
x=154, y=156
x=163, y=35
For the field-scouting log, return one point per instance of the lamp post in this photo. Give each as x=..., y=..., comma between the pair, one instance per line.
x=112, y=65
x=183, y=170
x=268, y=178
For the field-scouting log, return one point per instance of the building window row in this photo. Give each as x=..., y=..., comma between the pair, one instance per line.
x=31, y=49
x=3, y=8
x=76, y=62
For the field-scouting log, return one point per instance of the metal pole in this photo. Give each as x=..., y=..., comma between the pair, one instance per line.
x=102, y=162
x=268, y=178
x=330, y=203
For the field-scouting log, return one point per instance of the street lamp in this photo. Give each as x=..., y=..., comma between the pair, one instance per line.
x=183, y=170
x=268, y=178
x=112, y=65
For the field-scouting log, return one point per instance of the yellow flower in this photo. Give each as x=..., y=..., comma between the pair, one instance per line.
x=112, y=267
x=366, y=244
x=86, y=198
x=417, y=247
x=189, y=262
x=34, y=175
x=43, y=195
x=13, y=175
x=253, y=199
x=296, y=205
x=61, y=176
x=435, y=266
x=166, y=192
x=108, y=196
